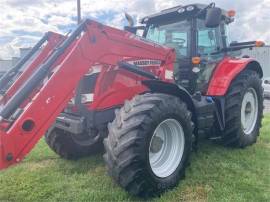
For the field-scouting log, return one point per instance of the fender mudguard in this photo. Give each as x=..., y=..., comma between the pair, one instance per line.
x=227, y=70
x=158, y=86
x=201, y=107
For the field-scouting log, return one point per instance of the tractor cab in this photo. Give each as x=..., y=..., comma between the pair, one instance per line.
x=197, y=32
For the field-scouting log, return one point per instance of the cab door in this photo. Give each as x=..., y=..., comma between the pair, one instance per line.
x=209, y=43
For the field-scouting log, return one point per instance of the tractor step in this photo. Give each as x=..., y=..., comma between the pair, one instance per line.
x=215, y=138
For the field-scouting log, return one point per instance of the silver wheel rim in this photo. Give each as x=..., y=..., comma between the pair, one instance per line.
x=249, y=111
x=166, y=148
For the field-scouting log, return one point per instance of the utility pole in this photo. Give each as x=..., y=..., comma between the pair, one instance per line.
x=79, y=11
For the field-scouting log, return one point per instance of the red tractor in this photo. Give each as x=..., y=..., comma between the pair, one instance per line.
x=148, y=99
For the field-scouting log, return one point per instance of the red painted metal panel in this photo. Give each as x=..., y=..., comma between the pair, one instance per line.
x=224, y=73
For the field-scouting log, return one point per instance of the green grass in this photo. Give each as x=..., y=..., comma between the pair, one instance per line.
x=215, y=174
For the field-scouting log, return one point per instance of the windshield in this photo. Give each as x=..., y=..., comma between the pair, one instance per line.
x=175, y=35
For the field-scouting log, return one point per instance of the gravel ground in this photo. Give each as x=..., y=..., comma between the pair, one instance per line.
x=267, y=106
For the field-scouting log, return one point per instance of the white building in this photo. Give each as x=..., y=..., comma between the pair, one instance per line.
x=262, y=55
x=5, y=65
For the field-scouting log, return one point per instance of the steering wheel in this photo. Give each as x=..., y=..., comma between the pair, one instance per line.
x=180, y=41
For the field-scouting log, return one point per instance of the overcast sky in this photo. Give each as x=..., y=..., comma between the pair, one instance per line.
x=23, y=22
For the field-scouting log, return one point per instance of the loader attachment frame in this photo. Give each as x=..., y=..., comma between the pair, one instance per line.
x=34, y=106
x=11, y=73
x=15, y=77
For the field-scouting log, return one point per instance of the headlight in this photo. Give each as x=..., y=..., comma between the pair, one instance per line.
x=72, y=101
x=181, y=10
x=145, y=20
x=87, y=98
x=190, y=8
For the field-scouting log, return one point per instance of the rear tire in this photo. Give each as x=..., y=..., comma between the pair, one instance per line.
x=140, y=132
x=66, y=146
x=243, y=110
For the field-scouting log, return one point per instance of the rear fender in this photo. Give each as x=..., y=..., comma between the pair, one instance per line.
x=172, y=89
x=226, y=71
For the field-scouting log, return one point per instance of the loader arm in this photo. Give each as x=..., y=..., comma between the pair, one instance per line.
x=31, y=110
x=52, y=40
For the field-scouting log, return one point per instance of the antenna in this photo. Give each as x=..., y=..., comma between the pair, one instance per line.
x=79, y=11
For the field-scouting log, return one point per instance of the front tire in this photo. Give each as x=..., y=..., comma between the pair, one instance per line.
x=149, y=144
x=243, y=110
x=69, y=146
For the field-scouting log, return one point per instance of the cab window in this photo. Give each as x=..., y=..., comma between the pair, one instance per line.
x=175, y=35
x=208, y=39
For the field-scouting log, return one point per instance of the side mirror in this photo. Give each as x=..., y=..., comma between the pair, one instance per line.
x=130, y=27
x=133, y=30
x=213, y=17
x=130, y=20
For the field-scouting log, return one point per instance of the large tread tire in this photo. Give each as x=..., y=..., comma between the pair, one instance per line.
x=127, y=145
x=234, y=135
x=63, y=144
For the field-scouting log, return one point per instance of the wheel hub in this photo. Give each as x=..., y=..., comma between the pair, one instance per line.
x=166, y=148
x=249, y=111
x=156, y=144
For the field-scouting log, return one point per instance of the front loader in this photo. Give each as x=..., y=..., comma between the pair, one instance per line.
x=148, y=99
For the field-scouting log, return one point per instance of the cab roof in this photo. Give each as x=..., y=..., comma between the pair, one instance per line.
x=178, y=11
